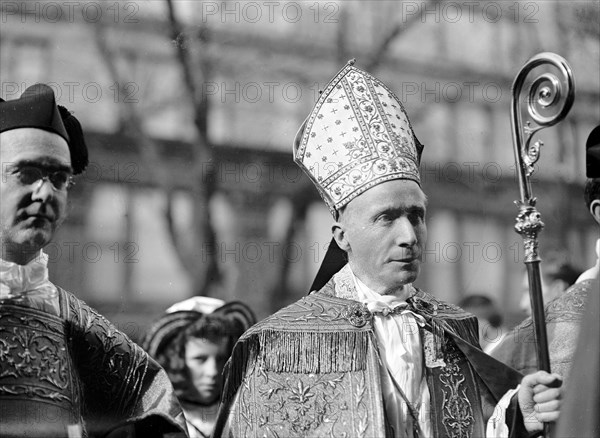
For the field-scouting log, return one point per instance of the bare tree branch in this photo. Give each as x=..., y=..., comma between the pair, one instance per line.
x=397, y=30
x=149, y=149
x=207, y=273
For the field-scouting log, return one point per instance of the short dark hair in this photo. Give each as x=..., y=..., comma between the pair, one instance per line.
x=563, y=271
x=482, y=306
x=211, y=326
x=592, y=191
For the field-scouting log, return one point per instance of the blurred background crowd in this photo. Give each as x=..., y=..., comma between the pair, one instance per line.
x=190, y=109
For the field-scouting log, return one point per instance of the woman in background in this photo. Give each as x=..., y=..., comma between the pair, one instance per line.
x=192, y=342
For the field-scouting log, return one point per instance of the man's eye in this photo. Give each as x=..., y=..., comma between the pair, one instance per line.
x=416, y=216
x=29, y=175
x=384, y=218
x=59, y=179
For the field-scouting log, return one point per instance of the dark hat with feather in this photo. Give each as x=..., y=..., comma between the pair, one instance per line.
x=185, y=313
x=166, y=339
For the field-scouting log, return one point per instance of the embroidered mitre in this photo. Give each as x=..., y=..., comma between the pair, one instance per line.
x=357, y=136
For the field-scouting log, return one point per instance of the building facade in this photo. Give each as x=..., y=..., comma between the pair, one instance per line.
x=260, y=66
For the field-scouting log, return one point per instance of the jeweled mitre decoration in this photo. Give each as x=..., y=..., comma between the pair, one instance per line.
x=357, y=136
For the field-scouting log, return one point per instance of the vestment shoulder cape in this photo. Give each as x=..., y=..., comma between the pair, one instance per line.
x=579, y=414
x=77, y=372
x=564, y=316
x=312, y=369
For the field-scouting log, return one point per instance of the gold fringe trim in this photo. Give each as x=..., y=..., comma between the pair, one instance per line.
x=439, y=338
x=466, y=329
x=313, y=352
x=296, y=352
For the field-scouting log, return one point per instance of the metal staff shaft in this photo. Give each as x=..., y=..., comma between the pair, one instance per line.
x=547, y=93
x=537, y=311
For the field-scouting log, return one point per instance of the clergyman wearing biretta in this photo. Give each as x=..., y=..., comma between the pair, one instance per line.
x=367, y=354
x=65, y=370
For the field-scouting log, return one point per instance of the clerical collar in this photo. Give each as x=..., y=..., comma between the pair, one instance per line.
x=405, y=291
x=28, y=283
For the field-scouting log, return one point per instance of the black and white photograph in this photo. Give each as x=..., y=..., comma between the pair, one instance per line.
x=349, y=218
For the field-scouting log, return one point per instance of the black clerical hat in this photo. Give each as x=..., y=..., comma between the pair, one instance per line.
x=36, y=108
x=592, y=154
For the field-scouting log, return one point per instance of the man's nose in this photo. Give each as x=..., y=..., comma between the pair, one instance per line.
x=405, y=232
x=42, y=190
x=211, y=368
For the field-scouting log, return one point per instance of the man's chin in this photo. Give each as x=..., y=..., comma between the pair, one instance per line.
x=405, y=276
x=33, y=240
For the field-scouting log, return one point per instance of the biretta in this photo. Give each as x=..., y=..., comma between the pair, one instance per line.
x=36, y=108
x=592, y=154
x=357, y=136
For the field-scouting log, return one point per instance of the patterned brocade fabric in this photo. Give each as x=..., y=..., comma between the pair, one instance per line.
x=77, y=370
x=305, y=384
x=357, y=136
x=325, y=404
x=38, y=391
x=312, y=369
x=564, y=316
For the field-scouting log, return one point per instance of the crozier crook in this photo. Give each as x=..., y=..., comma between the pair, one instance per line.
x=549, y=99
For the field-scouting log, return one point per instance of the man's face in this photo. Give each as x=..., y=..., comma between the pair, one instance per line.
x=384, y=234
x=205, y=360
x=31, y=210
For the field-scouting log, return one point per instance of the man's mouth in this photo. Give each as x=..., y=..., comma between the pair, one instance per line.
x=406, y=259
x=41, y=216
x=36, y=218
x=37, y=213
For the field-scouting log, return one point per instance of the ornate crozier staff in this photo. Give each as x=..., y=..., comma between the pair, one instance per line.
x=548, y=102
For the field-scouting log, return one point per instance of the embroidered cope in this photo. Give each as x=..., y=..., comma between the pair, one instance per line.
x=346, y=361
x=60, y=357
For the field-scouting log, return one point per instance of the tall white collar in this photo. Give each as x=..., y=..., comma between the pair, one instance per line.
x=365, y=293
x=30, y=279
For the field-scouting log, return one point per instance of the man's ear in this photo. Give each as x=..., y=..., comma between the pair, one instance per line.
x=339, y=234
x=595, y=210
